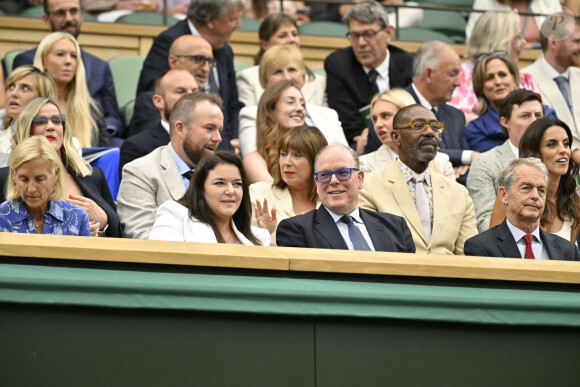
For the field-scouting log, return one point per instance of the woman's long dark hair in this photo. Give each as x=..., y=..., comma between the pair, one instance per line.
x=194, y=198
x=568, y=201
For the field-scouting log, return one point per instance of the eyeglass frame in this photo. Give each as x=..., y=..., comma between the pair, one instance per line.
x=411, y=125
x=61, y=123
x=200, y=58
x=61, y=13
x=335, y=173
x=366, y=38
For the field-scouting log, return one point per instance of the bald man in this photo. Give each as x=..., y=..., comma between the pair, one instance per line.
x=188, y=52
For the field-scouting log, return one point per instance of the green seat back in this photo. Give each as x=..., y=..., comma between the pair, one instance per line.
x=8, y=61
x=151, y=18
x=240, y=65
x=251, y=25
x=418, y=34
x=32, y=12
x=126, y=71
x=324, y=28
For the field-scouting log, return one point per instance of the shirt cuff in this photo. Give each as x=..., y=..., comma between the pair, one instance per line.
x=466, y=157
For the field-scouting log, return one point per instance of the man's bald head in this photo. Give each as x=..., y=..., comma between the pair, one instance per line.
x=194, y=54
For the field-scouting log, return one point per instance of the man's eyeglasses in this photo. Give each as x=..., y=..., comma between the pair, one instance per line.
x=420, y=125
x=199, y=59
x=57, y=119
x=492, y=54
x=341, y=174
x=61, y=13
x=367, y=35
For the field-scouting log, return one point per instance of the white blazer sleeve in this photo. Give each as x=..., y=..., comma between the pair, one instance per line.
x=170, y=222
x=247, y=132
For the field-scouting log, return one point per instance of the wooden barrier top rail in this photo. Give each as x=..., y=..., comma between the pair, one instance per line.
x=286, y=259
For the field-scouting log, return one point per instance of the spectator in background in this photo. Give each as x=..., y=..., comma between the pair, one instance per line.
x=260, y=9
x=493, y=32
x=35, y=194
x=59, y=54
x=528, y=25
x=188, y=52
x=215, y=21
x=84, y=186
x=67, y=16
x=355, y=74
x=169, y=87
x=278, y=29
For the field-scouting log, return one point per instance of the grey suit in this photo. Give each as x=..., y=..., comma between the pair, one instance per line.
x=482, y=181
x=552, y=96
x=147, y=183
x=498, y=241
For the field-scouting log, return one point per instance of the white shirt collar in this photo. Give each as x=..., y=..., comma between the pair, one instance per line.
x=336, y=217
x=552, y=72
x=519, y=234
x=514, y=149
x=382, y=68
x=165, y=126
x=192, y=28
x=422, y=99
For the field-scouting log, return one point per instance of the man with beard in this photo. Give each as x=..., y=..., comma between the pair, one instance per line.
x=439, y=211
x=523, y=188
x=169, y=87
x=188, y=52
x=67, y=16
x=164, y=174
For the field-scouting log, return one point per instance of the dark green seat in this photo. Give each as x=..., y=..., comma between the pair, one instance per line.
x=8, y=61
x=250, y=25
x=125, y=70
x=240, y=65
x=448, y=23
x=32, y=12
x=324, y=28
x=150, y=18
x=419, y=34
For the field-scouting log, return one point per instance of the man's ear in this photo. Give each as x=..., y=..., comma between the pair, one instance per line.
x=158, y=101
x=361, y=179
x=45, y=19
x=209, y=22
x=503, y=195
x=395, y=138
x=172, y=60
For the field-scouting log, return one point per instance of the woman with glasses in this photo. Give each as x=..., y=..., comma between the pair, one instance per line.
x=384, y=106
x=494, y=32
x=35, y=194
x=278, y=29
x=494, y=77
x=282, y=107
x=215, y=208
x=84, y=186
x=550, y=140
x=293, y=191
x=59, y=54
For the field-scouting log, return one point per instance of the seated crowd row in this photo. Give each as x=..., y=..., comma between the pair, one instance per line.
x=306, y=192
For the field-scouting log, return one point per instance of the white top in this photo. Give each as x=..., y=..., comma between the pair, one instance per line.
x=172, y=223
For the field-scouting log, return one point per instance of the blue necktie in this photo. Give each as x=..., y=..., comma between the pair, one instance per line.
x=356, y=237
x=561, y=82
x=373, y=74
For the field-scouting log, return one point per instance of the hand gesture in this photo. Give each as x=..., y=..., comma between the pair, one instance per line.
x=95, y=212
x=264, y=218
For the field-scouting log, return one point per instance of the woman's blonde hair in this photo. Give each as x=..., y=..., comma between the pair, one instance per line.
x=267, y=127
x=278, y=56
x=80, y=104
x=307, y=140
x=36, y=147
x=23, y=128
x=398, y=97
x=43, y=81
x=478, y=78
x=493, y=31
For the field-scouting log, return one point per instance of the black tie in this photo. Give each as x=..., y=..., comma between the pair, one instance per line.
x=373, y=74
x=188, y=175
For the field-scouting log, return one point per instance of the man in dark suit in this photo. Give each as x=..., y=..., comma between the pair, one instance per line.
x=523, y=186
x=436, y=69
x=339, y=223
x=215, y=21
x=67, y=16
x=188, y=52
x=169, y=87
x=355, y=74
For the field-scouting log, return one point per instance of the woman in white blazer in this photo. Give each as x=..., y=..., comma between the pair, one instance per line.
x=216, y=207
x=278, y=29
x=293, y=191
x=384, y=106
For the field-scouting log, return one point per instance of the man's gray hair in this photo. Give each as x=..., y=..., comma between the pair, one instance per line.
x=199, y=9
x=367, y=13
x=349, y=149
x=506, y=176
x=428, y=55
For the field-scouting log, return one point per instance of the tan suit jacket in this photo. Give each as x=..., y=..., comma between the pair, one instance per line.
x=552, y=96
x=279, y=198
x=147, y=183
x=385, y=190
x=250, y=90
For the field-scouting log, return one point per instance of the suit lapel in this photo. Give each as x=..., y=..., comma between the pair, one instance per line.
x=325, y=226
x=439, y=206
x=376, y=231
x=506, y=242
x=551, y=244
x=171, y=175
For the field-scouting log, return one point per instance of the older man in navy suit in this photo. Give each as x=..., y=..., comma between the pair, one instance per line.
x=339, y=223
x=436, y=69
x=523, y=187
x=67, y=16
x=215, y=21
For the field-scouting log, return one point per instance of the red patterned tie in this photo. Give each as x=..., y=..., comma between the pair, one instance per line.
x=529, y=253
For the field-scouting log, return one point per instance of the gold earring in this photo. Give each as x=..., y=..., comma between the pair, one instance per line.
x=54, y=188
